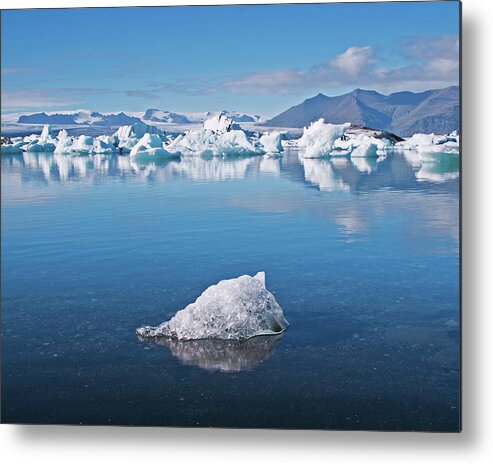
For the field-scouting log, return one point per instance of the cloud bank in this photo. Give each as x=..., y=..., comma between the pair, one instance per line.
x=430, y=62
x=433, y=62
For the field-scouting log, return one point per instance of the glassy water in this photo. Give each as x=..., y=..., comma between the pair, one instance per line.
x=363, y=257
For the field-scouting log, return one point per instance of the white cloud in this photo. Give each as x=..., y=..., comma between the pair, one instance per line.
x=434, y=63
x=353, y=60
x=46, y=98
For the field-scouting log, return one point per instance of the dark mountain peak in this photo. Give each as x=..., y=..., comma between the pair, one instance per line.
x=318, y=97
x=366, y=92
x=404, y=113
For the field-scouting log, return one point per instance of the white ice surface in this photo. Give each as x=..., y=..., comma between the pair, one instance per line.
x=271, y=142
x=150, y=145
x=234, y=309
x=431, y=143
x=210, y=143
x=318, y=139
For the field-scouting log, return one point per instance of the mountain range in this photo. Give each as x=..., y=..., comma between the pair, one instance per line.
x=151, y=116
x=79, y=118
x=403, y=113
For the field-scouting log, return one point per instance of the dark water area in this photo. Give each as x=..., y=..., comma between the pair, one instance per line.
x=362, y=255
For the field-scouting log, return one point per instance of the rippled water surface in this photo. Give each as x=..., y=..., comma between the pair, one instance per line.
x=363, y=257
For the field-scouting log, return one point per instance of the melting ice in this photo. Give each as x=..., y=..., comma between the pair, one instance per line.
x=234, y=309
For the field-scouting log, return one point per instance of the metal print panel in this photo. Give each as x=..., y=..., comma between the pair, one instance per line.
x=232, y=216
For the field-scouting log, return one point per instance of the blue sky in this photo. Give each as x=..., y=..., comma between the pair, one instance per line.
x=260, y=59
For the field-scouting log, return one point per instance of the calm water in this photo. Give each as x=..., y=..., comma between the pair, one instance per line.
x=363, y=258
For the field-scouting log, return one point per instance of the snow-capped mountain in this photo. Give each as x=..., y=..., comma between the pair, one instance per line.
x=167, y=117
x=160, y=116
x=80, y=117
x=150, y=116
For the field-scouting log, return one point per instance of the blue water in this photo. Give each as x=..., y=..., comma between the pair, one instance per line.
x=363, y=259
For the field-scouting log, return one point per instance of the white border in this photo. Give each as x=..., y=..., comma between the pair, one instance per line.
x=82, y=445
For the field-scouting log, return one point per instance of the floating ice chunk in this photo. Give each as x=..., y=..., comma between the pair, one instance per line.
x=235, y=309
x=104, y=145
x=44, y=142
x=128, y=136
x=431, y=143
x=318, y=139
x=47, y=133
x=11, y=145
x=38, y=145
x=219, y=123
x=151, y=145
x=85, y=144
x=137, y=130
x=207, y=142
x=366, y=149
x=271, y=141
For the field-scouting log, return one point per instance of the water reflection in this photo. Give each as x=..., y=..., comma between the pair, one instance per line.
x=442, y=169
x=406, y=170
x=222, y=355
x=320, y=172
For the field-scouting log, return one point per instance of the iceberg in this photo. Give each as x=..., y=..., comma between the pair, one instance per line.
x=11, y=145
x=431, y=143
x=210, y=143
x=318, y=139
x=220, y=136
x=271, y=142
x=234, y=309
x=220, y=123
x=137, y=130
x=362, y=143
x=128, y=136
x=45, y=142
x=366, y=149
x=151, y=145
x=85, y=144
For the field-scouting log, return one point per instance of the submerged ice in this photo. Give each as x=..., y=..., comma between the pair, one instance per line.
x=234, y=309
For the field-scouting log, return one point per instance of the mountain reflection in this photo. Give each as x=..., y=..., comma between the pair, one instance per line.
x=222, y=355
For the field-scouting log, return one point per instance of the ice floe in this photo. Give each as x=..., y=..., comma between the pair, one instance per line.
x=206, y=142
x=318, y=139
x=234, y=309
x=11, y=145
x=431, y=143
x=128, y=136
x=220, y=136
x=271, y=142
x=45, y=142
x=151, y=145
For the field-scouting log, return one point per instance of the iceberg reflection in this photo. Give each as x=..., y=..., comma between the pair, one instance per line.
x=222, y=355
x=320, y=172
x=406, y=170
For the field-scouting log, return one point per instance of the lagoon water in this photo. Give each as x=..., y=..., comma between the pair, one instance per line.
x=363, y=257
